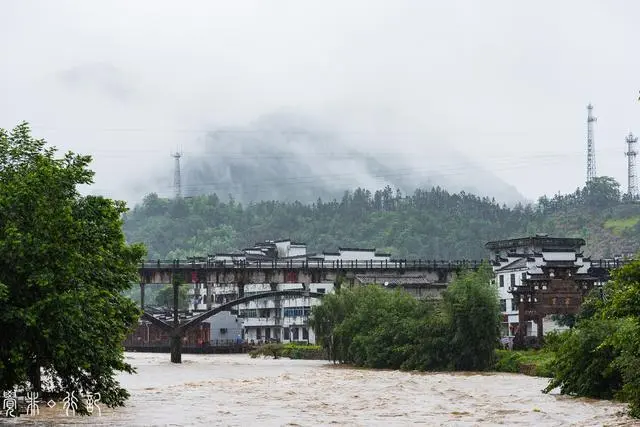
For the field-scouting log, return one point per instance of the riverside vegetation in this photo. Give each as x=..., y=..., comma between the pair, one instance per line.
x=371, y=327
x=599, y=357
x=63, y=266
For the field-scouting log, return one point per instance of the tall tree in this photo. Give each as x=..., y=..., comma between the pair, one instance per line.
x=63, y=265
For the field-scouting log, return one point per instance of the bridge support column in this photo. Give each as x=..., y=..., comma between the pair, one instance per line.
x=208, y=295
x=176, y=339
x=540, y=329
x=176, y=348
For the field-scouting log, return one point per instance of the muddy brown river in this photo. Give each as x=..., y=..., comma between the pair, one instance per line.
x=235, y=390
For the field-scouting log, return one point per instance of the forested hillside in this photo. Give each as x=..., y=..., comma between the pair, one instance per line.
x=430, y=224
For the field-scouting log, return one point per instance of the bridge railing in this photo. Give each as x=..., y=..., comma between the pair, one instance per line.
x=337, y=264
x=310, y=264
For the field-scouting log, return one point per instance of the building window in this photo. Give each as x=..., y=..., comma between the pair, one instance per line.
x=321, y=290
x=251, y=312
x=295, y=334
x=285, y=333
x=514, y=305
x=501, y=281
x=297, y=311
x=513, y=280
x=524, y=276
x=305, y=334
x=503, y=305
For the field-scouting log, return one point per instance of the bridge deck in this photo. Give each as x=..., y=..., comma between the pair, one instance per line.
x=339, y=264
x=309, y=264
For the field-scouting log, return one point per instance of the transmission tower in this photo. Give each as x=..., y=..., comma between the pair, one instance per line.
x=177, y=186
x=591, y=149
x=631, y=168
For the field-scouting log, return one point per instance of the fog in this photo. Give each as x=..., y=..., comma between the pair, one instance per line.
x=417, y=89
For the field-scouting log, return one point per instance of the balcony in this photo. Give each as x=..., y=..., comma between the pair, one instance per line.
x=295, y=321
x=262, y=322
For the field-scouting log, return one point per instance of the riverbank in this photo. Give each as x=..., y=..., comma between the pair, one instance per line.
x=535, y=363
x=290, y=350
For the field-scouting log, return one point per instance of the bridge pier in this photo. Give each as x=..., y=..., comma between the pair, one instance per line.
x=176, y=347
x=176, y=339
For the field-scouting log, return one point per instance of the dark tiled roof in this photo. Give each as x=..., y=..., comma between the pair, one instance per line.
x=357, y=249
x=395, y=279
x=514, y=265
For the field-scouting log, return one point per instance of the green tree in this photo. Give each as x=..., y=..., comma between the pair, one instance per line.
x=165, y=297
x=373, y=327
x=602, y=191
x=472, y=306
x=63, y=266
x=600, y=356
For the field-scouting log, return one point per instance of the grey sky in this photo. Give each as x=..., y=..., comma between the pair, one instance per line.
x=503, y=81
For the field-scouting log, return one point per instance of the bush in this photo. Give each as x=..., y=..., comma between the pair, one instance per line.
x=273, y=350
x=290, y=350
x=600, y=356
x=538, y=363
x=372, y=327
x=303, y=351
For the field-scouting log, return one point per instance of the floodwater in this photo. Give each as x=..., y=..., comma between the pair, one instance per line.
x=235, y=390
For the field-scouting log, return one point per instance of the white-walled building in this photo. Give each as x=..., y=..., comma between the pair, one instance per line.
x=284, y=319
x=531, y=261
x=225, y=328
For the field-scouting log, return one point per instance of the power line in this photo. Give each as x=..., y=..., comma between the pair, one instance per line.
x=324, y=179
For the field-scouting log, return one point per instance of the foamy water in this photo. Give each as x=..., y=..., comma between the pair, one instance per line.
x=235, y=390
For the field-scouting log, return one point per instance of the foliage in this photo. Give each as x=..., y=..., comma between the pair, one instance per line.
x=620, y=225
x=290, y=350
x=600, y=356
x=539, y=363
x=274, y=350
x=63, y=266
x=471, y=301
x=430, y=224
x=568, y=320
x=164, y=297
x=302, y=351
x=372, y=327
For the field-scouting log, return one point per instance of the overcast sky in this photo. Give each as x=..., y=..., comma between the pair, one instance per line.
x=503, y=81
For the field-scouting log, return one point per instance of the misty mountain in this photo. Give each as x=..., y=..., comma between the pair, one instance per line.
x=288, y=157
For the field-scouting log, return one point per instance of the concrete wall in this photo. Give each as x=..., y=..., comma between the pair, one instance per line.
x=225, y=326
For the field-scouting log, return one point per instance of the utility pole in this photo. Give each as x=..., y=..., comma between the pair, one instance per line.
x=591, y=149
x=632, y=188
x=177, y=184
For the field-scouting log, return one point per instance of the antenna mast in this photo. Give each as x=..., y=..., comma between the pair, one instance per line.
x=591, y=149
x=631, y=168
x=177, y=186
